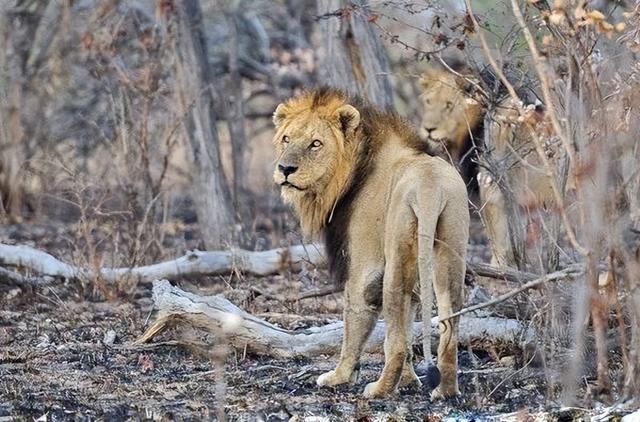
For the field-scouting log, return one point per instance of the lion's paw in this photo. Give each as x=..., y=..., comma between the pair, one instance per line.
x=439, y=393
x=376, y=390
x=372, y=391
x=410, y=381
x=333, y=378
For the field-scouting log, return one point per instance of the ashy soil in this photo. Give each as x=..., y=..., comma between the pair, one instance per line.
x=56, y=359
x=67, y=355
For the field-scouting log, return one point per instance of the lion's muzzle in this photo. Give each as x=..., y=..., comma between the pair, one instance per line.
x=286, y=170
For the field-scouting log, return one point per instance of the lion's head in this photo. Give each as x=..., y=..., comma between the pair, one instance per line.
x=314, y=143
x=451, y=108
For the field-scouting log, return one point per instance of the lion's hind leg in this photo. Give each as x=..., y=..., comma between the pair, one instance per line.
x=399, y=280
x=450, y=254
x=409, y=377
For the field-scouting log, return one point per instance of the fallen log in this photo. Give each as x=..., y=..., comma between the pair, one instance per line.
x=199, y=263
x=215, y=314
x=193, y=264
x=10, y=277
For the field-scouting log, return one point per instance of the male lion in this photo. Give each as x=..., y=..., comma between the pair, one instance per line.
x=453, y=115
x=451, y=110
x=363, y=180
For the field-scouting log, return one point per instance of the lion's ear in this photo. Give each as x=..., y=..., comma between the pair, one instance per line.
x=279, y=115
x=349, y=118
x=426, y=79
x=430, y=75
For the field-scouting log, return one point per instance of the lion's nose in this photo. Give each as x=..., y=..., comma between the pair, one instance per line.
x=429, y=130
x=287, y=170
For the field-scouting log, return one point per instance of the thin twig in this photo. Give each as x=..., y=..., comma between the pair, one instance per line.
x=10, y=277
x=325, y=291
x=568, y=272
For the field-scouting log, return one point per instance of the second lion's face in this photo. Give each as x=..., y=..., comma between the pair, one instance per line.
x=449, y=106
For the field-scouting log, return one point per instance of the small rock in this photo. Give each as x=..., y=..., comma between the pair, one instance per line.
x=44, y=342
x=508, y=361
x=109, y=338
x=12, y=293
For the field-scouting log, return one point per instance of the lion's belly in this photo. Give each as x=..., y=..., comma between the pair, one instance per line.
x=366, y=232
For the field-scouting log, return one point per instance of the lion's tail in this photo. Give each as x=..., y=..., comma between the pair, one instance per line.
x=426, y=233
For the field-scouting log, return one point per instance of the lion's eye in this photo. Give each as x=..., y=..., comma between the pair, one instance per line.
x=285, y=139
x=449, y=105
x=315, y=144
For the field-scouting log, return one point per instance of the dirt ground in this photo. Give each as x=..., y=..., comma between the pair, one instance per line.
x=66, y=356
x=54, y=360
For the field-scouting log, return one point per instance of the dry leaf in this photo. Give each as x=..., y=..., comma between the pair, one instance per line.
x=146, y=363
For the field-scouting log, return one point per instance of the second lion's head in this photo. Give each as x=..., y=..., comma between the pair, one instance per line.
x=451, y=106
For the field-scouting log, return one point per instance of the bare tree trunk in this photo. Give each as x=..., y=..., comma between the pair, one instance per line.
x=24, y=44
x=631, y=386
x=12, y=150
x=234, y=107
x=193, y=89
x=599, y=318
x=355, y=59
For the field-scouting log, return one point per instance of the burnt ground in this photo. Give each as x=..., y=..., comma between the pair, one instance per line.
x=56, y=359
x=53, y=360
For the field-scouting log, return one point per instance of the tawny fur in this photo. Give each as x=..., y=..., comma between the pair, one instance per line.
x=513, y=147
x=452, y=111
x=389, y=212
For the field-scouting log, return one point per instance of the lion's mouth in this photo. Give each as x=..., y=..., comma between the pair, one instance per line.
x=431, y=136
x=287, y=184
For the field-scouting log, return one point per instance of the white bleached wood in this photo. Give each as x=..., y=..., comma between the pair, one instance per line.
x=193, y=264
x=217, y=314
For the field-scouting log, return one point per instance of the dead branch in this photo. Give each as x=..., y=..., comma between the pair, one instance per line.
x=216, y=314
x=569, y=272
x=193, y=264
x=325, y=291
x=504, y=273
x=10, y=277
x=202, y=263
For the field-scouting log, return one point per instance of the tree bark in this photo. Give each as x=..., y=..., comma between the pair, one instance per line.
x=217, y=315
x=354, y=56
x=211, y=193
x=234, y=107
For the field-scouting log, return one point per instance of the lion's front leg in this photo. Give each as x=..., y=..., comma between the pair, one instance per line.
x=396, y=306
x=359, y=320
